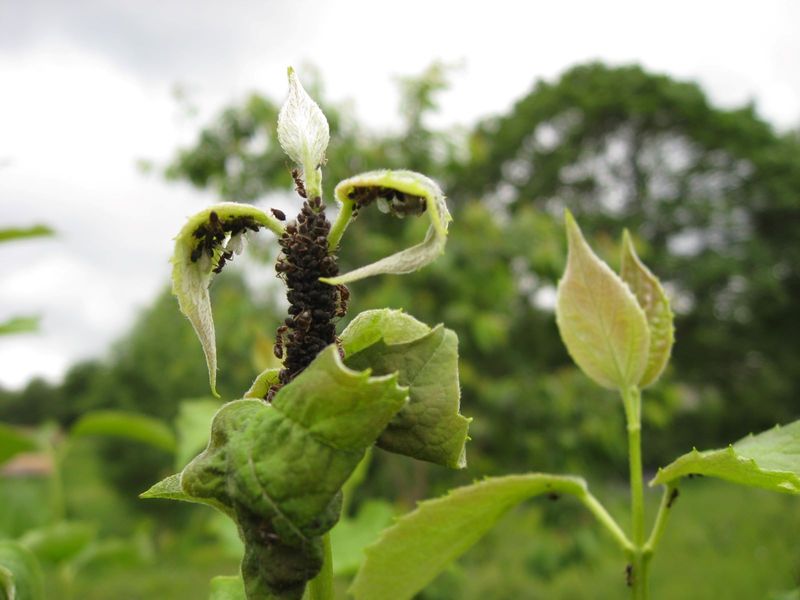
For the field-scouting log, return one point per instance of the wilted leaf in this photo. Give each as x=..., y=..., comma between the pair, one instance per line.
x=198, y=251
x=769, y=460
x=602, y=325
x=653, y=300
x=126, y=425
x=413, y=551
x=20, y=573
x=411, y=194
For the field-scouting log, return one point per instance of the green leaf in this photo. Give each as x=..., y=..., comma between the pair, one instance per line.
x=393, y=326
x=769, y=460
x=13, y=441
x=602, y=325
x=190, y=278
x=20, y=233
x=227, y=588
x=20, y=573
x=19, y=325
x=193, y=424
x=653, y=300
x=59, y=542
x=126, y=425
x=429, y=427
x=262, y=383
x=279, y=467
x=351, y=536
x=401, y=193
x=170, y=489
x=419, y=546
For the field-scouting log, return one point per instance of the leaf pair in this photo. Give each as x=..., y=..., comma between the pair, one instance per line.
x=617, y=328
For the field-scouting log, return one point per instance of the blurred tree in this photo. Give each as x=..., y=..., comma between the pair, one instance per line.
x=712, y=195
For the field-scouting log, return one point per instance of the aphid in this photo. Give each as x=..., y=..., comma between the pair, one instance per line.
x=672, y=497
x=280, y=335
x=553, y=496
x=303, y=320
x=299, y=186
x=629, y=575
x=279, y=214
x=342, y=300
x=406, y=204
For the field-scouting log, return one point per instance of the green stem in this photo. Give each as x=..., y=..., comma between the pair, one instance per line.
x=664, y=510
x=633, y=409
x=342, y=221
x=313, y=180
x=321, y=587
x=607, y=521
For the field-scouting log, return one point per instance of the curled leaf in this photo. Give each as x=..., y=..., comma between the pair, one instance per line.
x=430, y=427
x=265, y=380
x=653, y=300
x=400, y=193
x=599, y=319
x=303, y=131
x=202, y=247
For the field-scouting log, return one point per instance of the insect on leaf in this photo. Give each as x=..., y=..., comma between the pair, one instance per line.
x=399, y=193
x=204, y=244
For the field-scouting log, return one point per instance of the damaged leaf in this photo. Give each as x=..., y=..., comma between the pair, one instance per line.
x=278, y=468
x=430, y=426
x=399, y=193
x=204, y=244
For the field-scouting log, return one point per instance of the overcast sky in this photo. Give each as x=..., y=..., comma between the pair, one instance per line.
x=86, y=90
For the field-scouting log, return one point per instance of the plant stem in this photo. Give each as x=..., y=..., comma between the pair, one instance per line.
x=664, y=510
x=633, y=410
x=321, y=587
x=607, y=521
x=342, y=221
